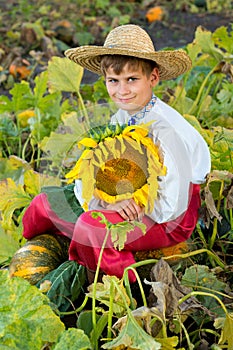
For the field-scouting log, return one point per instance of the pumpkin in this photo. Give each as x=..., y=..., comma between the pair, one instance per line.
x=179, y=248
x=155, y=14
x=39, y=256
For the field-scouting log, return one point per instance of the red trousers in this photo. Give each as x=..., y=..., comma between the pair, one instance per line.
x=87, y=234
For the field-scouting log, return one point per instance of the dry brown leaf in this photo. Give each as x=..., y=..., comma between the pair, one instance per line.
x=163, y=278
x=210, y=204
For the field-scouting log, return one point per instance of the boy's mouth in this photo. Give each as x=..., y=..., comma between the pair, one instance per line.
x=125, y=100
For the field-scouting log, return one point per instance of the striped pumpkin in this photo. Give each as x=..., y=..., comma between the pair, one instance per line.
x=39, y=256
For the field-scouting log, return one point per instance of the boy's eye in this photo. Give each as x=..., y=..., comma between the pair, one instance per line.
x=112, y=80
x=132, y=79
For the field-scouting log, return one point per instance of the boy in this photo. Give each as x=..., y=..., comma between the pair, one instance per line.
x=132, y=68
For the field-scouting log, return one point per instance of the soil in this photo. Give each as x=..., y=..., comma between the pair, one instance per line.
x=177, y=30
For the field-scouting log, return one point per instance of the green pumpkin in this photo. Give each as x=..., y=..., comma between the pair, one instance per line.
x=39, y=256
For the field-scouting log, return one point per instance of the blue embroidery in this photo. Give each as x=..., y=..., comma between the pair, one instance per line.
x=141, y=114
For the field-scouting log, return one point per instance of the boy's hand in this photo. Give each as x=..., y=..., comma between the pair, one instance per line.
x=127, y=209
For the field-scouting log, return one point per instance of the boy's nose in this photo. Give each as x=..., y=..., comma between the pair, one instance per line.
x=123, y=89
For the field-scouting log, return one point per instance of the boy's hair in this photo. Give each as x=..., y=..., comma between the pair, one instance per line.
x=118, y=62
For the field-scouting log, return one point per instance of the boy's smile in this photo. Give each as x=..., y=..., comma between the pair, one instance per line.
x=131, y=89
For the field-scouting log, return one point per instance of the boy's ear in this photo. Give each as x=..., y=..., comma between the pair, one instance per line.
x=154, y=77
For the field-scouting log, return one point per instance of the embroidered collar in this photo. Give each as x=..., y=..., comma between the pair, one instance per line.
x=141, y=114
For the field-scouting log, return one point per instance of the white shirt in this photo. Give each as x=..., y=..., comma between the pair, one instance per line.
x=186, y=156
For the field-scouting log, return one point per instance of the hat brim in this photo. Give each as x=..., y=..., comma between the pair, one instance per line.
x=172, y=63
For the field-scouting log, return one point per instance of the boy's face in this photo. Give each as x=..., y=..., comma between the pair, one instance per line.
x=131, y=90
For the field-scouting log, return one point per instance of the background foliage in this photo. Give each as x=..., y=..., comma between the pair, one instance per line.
x=46, y=105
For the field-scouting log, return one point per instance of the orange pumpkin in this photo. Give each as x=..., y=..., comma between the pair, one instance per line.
x=154, y=14
x=177, y=249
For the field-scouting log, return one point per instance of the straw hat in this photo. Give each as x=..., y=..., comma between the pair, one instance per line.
x=131, y=40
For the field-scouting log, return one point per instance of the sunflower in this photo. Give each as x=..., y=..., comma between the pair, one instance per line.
x=117, y=163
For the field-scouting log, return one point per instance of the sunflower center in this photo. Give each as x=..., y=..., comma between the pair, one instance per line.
x=120, y=176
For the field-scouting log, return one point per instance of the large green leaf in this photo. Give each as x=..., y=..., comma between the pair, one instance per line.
x=26, y=320
x=13, y=167
x=64, y=75
x=62, y=144
x=22, y=97
x=40, y=86
x=200, y=276
x=73, y=339
x=227, y=331
x=33, y=182
x=8, y=246
x=224, y=38
x=66, y=283
x=133, y=337
x=85, y=322
x=204, y=39
x=103, y=293
x=12, y=197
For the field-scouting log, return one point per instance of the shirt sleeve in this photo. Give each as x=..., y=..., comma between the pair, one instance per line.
x=173, y=194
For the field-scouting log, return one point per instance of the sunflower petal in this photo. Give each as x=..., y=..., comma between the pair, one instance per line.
x=87, y=142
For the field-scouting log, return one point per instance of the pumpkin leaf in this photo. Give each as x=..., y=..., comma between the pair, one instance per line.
x=64, y=75
x=132, y=336
x=26, y=319
x=85, y=323
x=12, y=197
x=168, y=343
x=73, y=339
x=66, y=284
x=18, y=92
x=8, y=246
x=62, y=144
x=201, y=276
x=227, y=332
x=223, y=38
x=13, y=167
x=102, y=293
x=203, y=38
x=34, y=181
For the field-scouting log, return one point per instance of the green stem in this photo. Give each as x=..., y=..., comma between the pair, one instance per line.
x=24, y=148
x=231, y=218
x=204, y=96
x=38, y=117
x=83, y=109
x=183, y=256
x=195, y=104
x=128, y=289
x=181, y=90
x=110, y=311
x=80, y=308
x=187, y=296
x=190, y=345
x=205, y=330
x=215, y=227
x=7, y=147
x=95, y=283
x=202, y=237
x=130, y=315
x=19, y=139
